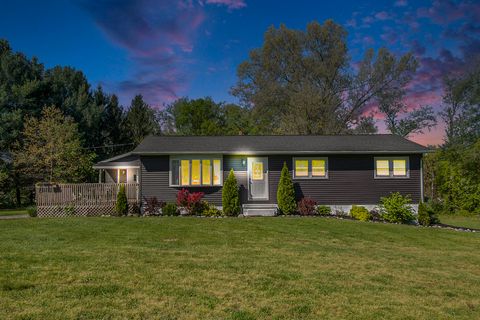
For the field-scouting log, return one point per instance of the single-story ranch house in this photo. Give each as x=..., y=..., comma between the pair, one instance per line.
x=337, y=170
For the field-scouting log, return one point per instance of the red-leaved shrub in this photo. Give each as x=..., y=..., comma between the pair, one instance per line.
x=306, y=206
x=153, y=206
x=191, y=201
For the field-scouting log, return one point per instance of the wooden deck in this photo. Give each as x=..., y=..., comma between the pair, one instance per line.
x=81, y=199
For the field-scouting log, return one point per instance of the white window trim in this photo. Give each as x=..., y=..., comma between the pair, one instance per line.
x=310, y=168
x=196, y=157
x=390, y=167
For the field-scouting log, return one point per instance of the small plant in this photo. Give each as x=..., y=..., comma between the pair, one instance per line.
x=323, y=210
x=230, y=198
x=153, y=206
x=360, y=213
x=396, y=208
x=306, y=206
x=32, y=211
x=286, y=192
x=170, y=209
x=426, y=214
x=192, y=202
x=211, y=211
x=121, y=207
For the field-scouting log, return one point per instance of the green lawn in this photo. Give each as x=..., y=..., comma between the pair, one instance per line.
x=12, y=212
x=461, y=221
x=261, y=268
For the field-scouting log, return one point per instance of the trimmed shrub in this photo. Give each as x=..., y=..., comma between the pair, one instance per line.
x=121, y=207
x=211, y=211
x=396, y=208
x=230, y=197
x=286, y=192
x=170, y=209
x=32, y=211
x=360, y=213
x=306, y=206
x=192, y=202
x=426, y=214
x=323, y=210
x=153, y=206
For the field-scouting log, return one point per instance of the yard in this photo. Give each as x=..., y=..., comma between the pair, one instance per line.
x=198, y=268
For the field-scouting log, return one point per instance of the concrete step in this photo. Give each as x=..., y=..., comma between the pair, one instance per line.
x=259, y=210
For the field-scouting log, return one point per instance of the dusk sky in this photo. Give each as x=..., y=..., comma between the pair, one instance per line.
x=169, y=49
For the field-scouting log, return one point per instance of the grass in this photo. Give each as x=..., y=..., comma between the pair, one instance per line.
x=262, y=268
x=12, y=212
x=472, y=221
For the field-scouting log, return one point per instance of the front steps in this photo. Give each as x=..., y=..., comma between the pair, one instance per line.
x=259, y=210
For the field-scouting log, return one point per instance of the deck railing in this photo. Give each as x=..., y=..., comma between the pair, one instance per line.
x=81, y=199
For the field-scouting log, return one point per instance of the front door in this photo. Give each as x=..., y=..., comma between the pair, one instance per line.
x=257, y=178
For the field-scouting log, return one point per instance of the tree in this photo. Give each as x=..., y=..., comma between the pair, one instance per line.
x=52, y=150
x=141, y=120
x=286, y=192
x=121, y=205
x=401, y=123
x=301, y=82
x=230, y=198
x=462, y=108
x=194, y=117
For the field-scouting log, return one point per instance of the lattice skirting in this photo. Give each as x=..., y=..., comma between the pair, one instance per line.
x=79, y=210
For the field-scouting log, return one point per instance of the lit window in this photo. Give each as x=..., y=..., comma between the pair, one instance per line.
x=383, y=168
x=318, y=168
x=217, y=172
x=206, y=172
x=391, y=167
x=257, y=170
x=301, y=168
x=400, y=167
x=195, y=172
x=185, y=164
x=310, y=167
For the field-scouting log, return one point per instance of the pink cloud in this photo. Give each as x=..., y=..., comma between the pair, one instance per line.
x=401, y=3
x=382, y=15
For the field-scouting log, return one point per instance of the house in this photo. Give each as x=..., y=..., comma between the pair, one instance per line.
x=335, y=170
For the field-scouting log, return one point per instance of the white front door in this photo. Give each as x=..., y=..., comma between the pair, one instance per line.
x=257, y=178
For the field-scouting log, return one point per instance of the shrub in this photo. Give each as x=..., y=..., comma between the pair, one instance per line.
x=426, y=214
x=396, y=208
x=192, y=202
x=170, y=209
x=230, y=198
x=121, y=207
x=306, y=206
x=360, y=213
x=286, y=192
x=32, y=211
x=153, y=206
x=211, y=211
x=324, y=210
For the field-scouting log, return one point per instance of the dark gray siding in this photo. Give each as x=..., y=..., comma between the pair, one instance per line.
x=350, y=180
x=155, y=183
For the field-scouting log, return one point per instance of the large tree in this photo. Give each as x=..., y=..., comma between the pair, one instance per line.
x=141, y=120
x=52, y=150
x=303, y=82
x=462, y=108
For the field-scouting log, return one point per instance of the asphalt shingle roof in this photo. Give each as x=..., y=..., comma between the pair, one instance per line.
x=373, y=143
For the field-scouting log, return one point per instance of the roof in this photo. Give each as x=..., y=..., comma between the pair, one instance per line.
x=123, y=160
x=367, y=143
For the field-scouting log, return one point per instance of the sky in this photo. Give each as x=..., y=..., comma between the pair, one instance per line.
x=170, y=49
